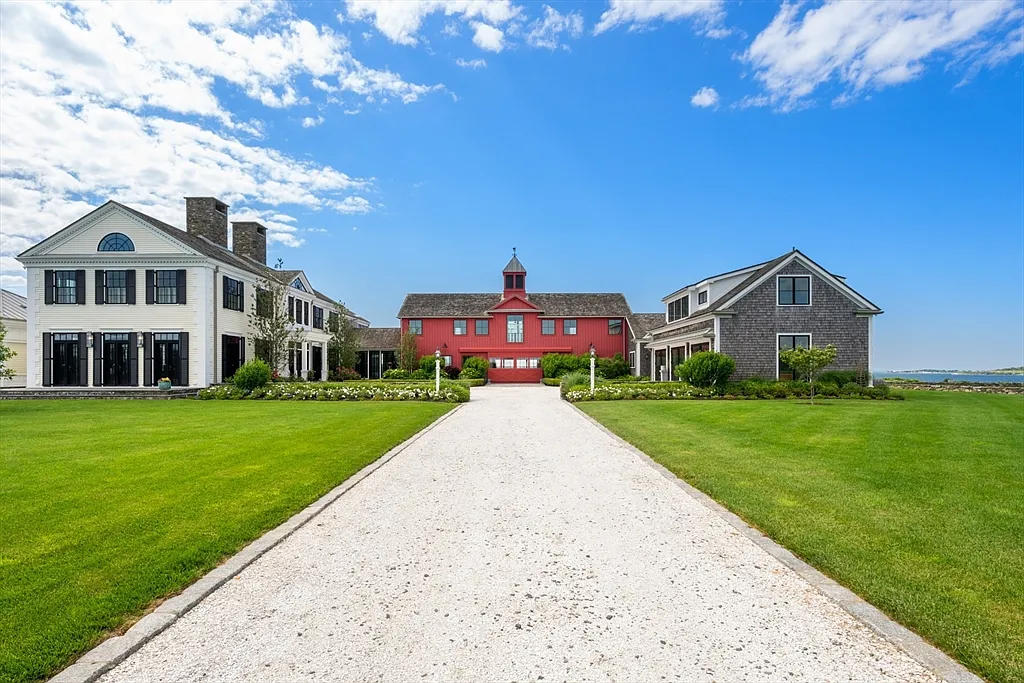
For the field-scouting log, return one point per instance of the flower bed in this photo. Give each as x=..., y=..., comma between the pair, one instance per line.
x=653, y=391
x=450, y=392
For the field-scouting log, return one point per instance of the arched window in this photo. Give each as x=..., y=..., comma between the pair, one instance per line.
x=116, y=241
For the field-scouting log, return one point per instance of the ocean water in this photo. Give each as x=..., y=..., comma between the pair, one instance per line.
x=940, y=376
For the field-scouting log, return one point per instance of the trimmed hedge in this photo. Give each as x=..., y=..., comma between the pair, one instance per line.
x=451, y=392
x=474, y=367
x=749, y=389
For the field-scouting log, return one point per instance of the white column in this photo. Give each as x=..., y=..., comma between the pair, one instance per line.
x=201, y=366
x=323, y=362
x=34, y=340
x=871, y=378
x=654, y=368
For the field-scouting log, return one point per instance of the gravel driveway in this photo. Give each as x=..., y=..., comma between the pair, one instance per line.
x=517, y=542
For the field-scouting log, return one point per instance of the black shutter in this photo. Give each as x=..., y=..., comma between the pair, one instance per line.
x=223, y=359
x=133, y=359
x=129, y=285
x=47, y=350
x=97, y=359
x=224, y=293
x=147, y=359
x=183, y=359
x=181, y=285
x=47, y=288
x=241, y=351
x=150, y=286
x=79, y=286
x=291, y=308
x=241, y=295
x=100, y=287
x=83, y=354
x=305, y=312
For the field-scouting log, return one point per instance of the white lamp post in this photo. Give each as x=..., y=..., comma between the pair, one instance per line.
x=437, y=370
x=593, y=355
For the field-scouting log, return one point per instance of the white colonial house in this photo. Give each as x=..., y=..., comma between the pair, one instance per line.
x=121, y=299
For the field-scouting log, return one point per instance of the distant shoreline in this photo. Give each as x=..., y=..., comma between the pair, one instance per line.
x=1001, y=371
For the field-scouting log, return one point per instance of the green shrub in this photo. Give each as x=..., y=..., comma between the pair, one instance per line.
x=613, y=367
x=706, y=369
x=422, y=374
x=839, y=377
x=342, y=375
x=551, y=381
x=558, y=364
x=474, y=367
x=575, y=380
x=427, y=364
x=255, y=373
x=451, y=392
x=397, y=373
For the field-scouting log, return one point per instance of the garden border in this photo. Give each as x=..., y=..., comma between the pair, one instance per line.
x=114, y=650
x=926, y=654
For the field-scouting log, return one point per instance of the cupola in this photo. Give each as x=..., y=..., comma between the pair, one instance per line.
x=514, y=276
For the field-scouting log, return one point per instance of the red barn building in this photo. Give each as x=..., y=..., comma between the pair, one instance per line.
x=513, y=329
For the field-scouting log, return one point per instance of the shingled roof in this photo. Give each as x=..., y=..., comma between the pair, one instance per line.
x=379, y=338
x=642, y=323
x=478, y=305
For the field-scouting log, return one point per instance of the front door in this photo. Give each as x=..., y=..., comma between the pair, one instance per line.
x=318, y=361
x=166, y=357
x=231, y=348
x=65, y=360
x=116, y=368
x=660, y=371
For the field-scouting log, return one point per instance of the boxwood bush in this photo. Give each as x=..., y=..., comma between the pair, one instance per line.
x=706, y=369
x=451, y=392
x=255, y=373
x=474, y=367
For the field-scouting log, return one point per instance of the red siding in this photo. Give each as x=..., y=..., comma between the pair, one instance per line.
x=438, y=332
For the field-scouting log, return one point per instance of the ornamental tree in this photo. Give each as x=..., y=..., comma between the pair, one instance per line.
x=408, y=353
x=343, y=347
x=809, y=362
x=6, y=354
x=274, y=333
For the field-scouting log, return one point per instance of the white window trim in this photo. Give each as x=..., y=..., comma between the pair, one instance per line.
x=632, y=360
x=810, y=343
x=810, y=290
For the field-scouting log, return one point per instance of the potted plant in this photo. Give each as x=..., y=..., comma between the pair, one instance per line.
x=164, y=384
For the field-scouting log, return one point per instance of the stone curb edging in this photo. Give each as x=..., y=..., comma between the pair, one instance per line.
x=926, y=654
x=112, y=651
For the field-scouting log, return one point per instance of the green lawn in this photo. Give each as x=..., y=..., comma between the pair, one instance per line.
x=917, y=506
x=106, y=505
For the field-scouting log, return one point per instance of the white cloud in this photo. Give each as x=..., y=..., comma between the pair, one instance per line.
x=401, y=21
x=547, y=32
x=471, y=63
x=869, y=45
x=310, y=122
x=487, y=37
x=705, y=97
x=638, y=14
x=117, y=101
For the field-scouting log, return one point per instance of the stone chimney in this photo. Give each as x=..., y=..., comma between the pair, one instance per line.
x=249, y=239
x=207, y=217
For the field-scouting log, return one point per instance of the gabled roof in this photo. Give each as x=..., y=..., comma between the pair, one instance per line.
x=642, y=323
x=13, y=306
x=514, y=266
x=478, y=305
x=379, y=338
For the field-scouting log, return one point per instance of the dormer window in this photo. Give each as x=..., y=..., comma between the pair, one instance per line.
x=679, y=308
x=795, y=291
x=297, y=284
x=702, y=297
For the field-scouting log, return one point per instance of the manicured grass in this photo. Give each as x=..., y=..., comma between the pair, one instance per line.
x=107, y=505
x=917, y=506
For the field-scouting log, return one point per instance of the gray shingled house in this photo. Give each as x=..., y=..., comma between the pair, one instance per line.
x=754, y=312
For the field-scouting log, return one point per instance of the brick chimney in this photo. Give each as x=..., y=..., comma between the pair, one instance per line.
x=207, y=217
x=249, y=239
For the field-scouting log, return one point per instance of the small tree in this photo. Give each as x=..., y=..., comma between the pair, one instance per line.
x=408, y=353
x=273, y=331
x=809, y=362
x=6, y=354
x=343, y=347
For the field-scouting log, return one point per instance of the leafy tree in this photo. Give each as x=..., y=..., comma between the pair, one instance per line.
x=707, y=369
x=343, y=346
x=6, y=354
x=273, y=330
x=809, y=362
x=408, y=353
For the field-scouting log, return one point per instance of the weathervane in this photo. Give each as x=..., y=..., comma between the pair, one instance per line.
x=513, y=251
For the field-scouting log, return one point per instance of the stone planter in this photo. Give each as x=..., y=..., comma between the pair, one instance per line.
x=164, y=385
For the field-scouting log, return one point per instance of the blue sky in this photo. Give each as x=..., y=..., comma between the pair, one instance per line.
x=631, y=147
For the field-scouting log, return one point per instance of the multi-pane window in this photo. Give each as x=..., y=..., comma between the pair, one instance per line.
x=415, y=327
x=495, y=363
x=233, y=294
x=116, y=241
x=507, y=363
x=702, y=297
x=514, y=329
x=569, y=326
x=614, y=327
x=115, y=287
x=167, y=286
x=547, y=326
x=679, y=308
x=64, y=287
x=791, y=341
x=445, y=361
x=795, y=291
x=483, y=327
x=460, y=328
x=318, y=317
x=632, y=360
